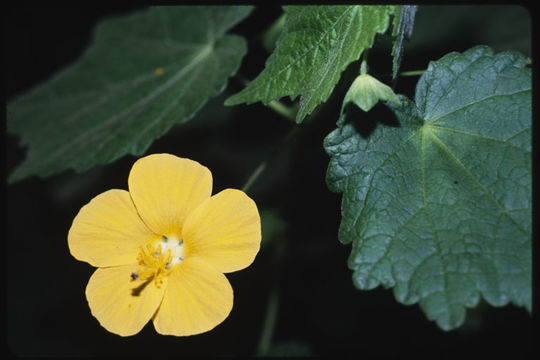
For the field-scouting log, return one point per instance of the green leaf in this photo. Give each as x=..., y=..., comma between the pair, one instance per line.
x=316, y=45
x=439, y=207
x=402, y=29
x=366, y=92
x=142, y=74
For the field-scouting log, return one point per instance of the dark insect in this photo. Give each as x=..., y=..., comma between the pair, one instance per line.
x=134, y=276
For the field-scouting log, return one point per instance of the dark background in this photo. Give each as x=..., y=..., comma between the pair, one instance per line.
x=320, y=312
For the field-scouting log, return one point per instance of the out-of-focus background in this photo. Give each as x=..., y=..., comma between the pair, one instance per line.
x=319, y=312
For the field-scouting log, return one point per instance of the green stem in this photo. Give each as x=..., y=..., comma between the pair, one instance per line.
x=272, y=307
x=262, y=166
x=363, y=66
x=254, y=175
x=412, y=73
x=265, y=340
x=283, y=110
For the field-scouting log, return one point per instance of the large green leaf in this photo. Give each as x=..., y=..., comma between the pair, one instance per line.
x=142, y=74
x=439, y=207
x=316, y=45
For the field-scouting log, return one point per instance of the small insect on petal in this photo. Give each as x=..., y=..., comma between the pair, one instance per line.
x=134, y=276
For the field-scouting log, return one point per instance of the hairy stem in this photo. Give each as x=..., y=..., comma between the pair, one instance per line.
x=254, y=175
x=272, y=307
x=263, y=164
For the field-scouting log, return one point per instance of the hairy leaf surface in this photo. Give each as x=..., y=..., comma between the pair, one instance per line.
x=439, y=207
x=316, y=45
x=142, y=74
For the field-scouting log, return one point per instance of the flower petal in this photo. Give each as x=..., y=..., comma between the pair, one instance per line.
x=121, y=305
x=225, y=231
x=197, y=299
x=165, y=188
x=108, y=231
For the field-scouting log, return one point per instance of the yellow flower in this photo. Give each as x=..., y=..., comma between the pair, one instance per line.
x=161, y=249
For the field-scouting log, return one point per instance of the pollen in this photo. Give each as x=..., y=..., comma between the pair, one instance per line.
x=156, y=260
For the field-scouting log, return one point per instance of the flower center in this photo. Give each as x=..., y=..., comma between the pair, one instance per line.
x=157, y=259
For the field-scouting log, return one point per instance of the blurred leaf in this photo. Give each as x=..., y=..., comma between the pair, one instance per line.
x=316, y=45
x=439, y=207
x=272, y=225
x=403, y=27
x=142, y=74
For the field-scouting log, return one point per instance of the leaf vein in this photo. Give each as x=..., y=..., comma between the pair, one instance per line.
x=434, y=121
x=461, y=132
x=447, y=151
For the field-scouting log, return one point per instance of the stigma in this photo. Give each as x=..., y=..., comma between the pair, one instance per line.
x=157, y=259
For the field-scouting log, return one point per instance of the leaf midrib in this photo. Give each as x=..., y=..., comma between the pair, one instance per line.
x=434, y=121
x=43, y=162
x=466, y=133
x=435, y=238
x=439, y=143
x=306, y=99
x=113, y=91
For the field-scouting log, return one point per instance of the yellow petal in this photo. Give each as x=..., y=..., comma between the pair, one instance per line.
x=165, y=188
x=225, y=231
x=107, y=231
x=197, y=299
x=121, y=305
